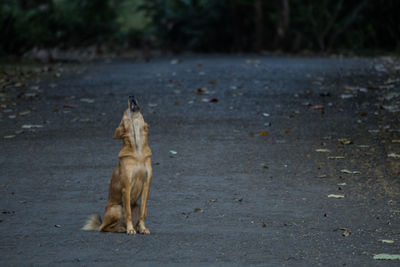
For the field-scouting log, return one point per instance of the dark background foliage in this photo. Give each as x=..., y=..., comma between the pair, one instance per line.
x=359, y=26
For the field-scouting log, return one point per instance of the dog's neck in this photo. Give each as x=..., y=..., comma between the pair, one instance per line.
x=136, y=135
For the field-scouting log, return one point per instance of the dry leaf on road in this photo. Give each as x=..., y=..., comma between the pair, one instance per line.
x=350, y=172
x=336, y=157
x=385, y=256
x=335, y=196
x=345, y=141
x=394, y=155
x=322, y=150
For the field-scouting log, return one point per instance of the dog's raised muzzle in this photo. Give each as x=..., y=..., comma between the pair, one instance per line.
x=133, y=104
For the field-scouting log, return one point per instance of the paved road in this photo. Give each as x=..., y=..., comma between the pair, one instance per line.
x=246, y=186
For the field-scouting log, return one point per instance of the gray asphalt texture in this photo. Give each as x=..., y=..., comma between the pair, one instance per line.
x=246, y=185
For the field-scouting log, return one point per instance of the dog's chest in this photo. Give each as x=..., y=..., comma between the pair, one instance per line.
x=138, y=180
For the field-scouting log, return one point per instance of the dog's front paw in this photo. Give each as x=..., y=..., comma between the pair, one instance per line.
x=144, y=230
x=131, y=231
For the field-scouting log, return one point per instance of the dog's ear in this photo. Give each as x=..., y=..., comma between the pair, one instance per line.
x=119, y=132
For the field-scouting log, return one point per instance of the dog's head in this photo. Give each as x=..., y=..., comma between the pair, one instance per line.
x=133, y=104
x=132, y=124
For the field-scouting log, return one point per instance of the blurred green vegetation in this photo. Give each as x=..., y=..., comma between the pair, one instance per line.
x=201, y=25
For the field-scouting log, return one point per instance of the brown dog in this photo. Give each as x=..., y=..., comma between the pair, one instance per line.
x=130, y=180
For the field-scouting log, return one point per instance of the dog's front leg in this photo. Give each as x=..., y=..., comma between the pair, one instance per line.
x=143, y=200
x=126, y=195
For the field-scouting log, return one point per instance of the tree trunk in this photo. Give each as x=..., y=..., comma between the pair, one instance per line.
x=282, y=23
x=259, y=26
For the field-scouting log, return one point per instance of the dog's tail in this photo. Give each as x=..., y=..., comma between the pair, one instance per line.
x=93, y=223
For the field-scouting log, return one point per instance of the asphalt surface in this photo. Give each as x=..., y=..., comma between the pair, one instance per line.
x=246, y=151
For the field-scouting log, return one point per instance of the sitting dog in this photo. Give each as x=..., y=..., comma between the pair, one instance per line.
x=130, y=180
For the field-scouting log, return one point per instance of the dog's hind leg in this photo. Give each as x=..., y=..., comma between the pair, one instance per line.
x=112, y=220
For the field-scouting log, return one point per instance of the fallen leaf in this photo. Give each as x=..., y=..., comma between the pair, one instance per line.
x=287, y=131
x=335, y=196
x=385, y=256
x=322, y=150
x=213, y=82
x=263, y=225
x=341, y=184
x=345, y=141
x=394, y=155
x=198, y=210
x=387, y=241
x=396, y=141
x=30, y=126
x=87, y=100
x=176, y=103
x=263, y=133
x=173, y=152
x=251, y=134
x=212, y=200
x=350, y=172
x=346, y=232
